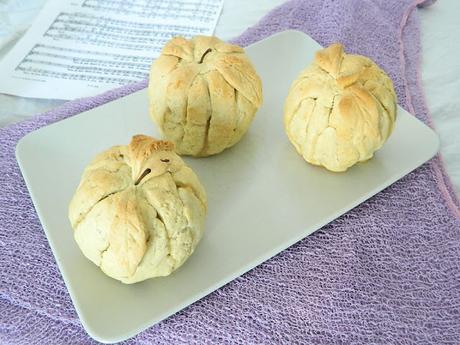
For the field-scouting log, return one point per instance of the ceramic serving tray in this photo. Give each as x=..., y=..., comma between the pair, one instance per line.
x=263, y=197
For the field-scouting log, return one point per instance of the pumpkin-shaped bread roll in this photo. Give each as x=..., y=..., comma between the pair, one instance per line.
x=340, y=109
x=203, y=94
x=139, y=210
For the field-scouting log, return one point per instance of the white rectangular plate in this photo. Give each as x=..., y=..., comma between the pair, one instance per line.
x=256, y=189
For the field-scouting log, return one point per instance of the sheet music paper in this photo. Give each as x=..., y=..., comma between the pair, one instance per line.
x=78, y=48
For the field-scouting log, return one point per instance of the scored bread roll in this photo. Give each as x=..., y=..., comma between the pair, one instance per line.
x=138, y=211
x=340, y=109
x=203, y=94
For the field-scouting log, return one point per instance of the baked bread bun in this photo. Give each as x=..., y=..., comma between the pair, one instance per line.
x=139, y=210
x=203, y=94
x=340, y=109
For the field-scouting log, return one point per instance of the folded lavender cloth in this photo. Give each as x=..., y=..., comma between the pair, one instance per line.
x=387, y=272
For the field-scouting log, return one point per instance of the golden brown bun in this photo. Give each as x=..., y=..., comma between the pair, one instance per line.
x=203, y=94
x=340, y=110
x=139, y=210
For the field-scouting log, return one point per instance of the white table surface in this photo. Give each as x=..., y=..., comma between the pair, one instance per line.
x=440, y=66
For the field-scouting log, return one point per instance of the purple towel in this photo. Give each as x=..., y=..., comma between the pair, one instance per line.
x=387, y=272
